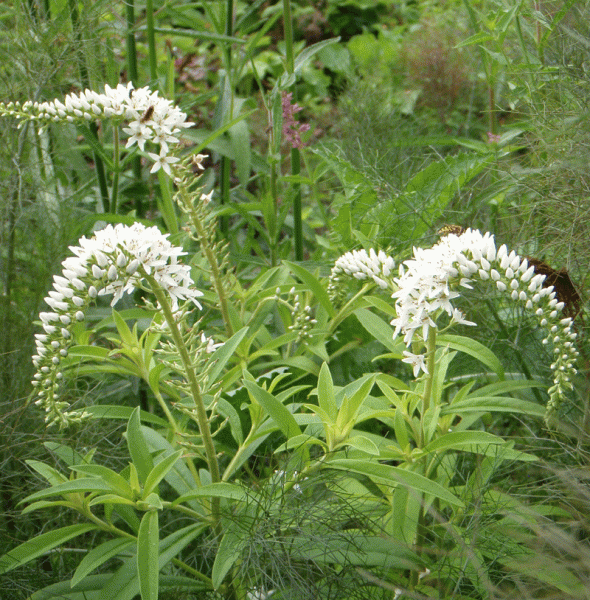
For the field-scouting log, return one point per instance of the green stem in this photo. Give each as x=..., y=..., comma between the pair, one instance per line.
x=116, y=170
x=202, y=420
x=430, y=366
x=85, y=79
x=295, y=154
x=134, y=78
x=151, y=36
x=211, y=259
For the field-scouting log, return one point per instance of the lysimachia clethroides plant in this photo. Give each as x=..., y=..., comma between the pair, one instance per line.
x=186, y=511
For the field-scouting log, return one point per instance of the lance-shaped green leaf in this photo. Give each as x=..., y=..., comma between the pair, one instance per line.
x=389, y=475
x=118, y=484
x=41, y=544
x=278, y=413
x=98, y=556
x=147, y=556
x=124, y=584
x=326, y=398
x=159, y=472
x=219, y=490
x=138, y=448
x=473, y=348
x=313, y=284
x=77, y=486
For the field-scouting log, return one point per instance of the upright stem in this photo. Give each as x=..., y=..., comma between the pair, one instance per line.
x=202, y=420
x=295, y=155
x=116, y=170
x=211, y=259
x=85, y=79
x=149, y=15
x=134, y=78
x=430, y=365
x=224, y=186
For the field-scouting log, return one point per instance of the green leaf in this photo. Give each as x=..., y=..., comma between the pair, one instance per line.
x=124, y=584
x=53, y=477
x=326, y=399
x=77, y=486
x=147, y=556
x=138, y=448
x=118, y=484
x=458, y=439
x=278, y=413
x=391, y=476
x=218, y=490
x=223, y=354
x=309, y=51
x=98, y=556
x=362, y=443
x=494, y=404
x=379, y=329
x=313, y=284
x=159, y=471
x=228, y=553
x=112, y=411
x=41, y=544
x=473, y=348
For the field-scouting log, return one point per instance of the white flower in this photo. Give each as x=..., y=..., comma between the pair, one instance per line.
x=361, y=264
x=417, y=362
x=162, y=161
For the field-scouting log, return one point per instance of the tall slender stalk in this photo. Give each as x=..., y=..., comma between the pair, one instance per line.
x=151, y=36
x=133, y=76
x=295, y=154
x=189, y=371
x=85, y=79
x=224, y=183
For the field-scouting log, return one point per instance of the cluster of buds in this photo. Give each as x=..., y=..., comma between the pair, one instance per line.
x=362, y=265
x=149, y=117
x=292, y=130
x=116, y=260
x=301, y=314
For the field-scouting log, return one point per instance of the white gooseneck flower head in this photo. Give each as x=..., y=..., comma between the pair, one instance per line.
x=114, y=261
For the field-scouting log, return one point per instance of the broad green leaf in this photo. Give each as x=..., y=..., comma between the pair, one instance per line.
x=41, y=544
x=326, y=399
x=277, y=411
x=159, y=471
x=98, y=556
x=389, y=475
x=147, y=555
x=138, y=448
x=313, y=284
x=127, y=336
x=67, y=454
x=473, y=348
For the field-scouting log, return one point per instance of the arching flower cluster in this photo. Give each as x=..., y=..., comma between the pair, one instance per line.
x=361, y=264
x=116, y=260
x=149, y=118
x=428, y=283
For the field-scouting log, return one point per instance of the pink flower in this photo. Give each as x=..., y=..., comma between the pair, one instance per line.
x=292, y=129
